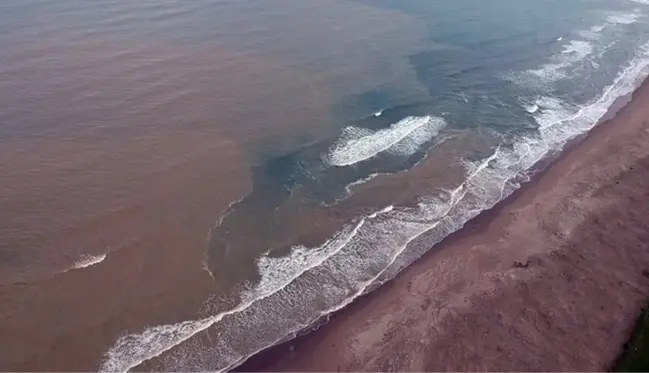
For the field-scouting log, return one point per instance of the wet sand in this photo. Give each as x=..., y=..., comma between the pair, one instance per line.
x=552, y=278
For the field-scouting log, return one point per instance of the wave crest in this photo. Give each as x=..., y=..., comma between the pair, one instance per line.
x=404, y=137
x=89, y=260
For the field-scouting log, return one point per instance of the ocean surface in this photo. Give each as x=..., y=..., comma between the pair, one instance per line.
x=185, y=184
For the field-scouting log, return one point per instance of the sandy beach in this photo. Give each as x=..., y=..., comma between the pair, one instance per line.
x=551, y=279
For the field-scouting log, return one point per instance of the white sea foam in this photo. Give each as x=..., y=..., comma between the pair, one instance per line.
x=645, y=2
x=572, y=53
x=531, y=108
x=563, y=64
x=592, y=33
x=359, y=144
x=418, y=137
x=224, y=215
x=579, y=49
x=557, y=114
x=297, y=289
x=623, y=18
x=406, y=147
x=277, y=273
x=550, y=111
x=361, y=181
x=89, y=260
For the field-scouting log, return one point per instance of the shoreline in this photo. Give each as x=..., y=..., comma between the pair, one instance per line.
x=343, y=327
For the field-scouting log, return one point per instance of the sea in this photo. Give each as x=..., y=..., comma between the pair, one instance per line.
x=188, y=183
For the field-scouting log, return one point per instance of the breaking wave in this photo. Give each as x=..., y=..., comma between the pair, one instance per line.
x=89, y=260
x=404, y=137
x=592, y=33
x=566, y=63
x=573, y=52
x=623, y=18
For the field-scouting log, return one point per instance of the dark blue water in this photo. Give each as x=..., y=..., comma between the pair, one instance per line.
x=370, y=129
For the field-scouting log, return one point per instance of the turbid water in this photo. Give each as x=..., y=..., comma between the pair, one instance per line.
x=185, y=184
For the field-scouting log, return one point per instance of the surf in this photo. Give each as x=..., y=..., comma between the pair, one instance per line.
x=88, y=261
x=297, y=289
x=358, y=144
x=566, y=63
x=304, y=281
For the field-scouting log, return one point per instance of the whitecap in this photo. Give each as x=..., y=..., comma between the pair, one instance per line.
x=572, y=53
x=89, y=260
x=416, y=139
x=551, y=111
x=358, y=144
x=579, y=49
x=558, y=68
x=531, y=108
x=623, y=18
x=559, y=121
x=592, y=33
